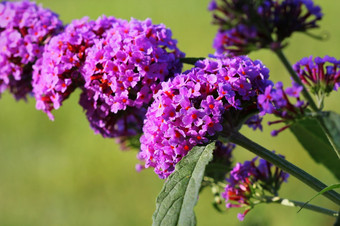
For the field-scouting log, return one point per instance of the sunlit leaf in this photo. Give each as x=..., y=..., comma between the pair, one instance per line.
x=175, y=204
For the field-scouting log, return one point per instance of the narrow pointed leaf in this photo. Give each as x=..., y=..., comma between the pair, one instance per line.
x=331, y=187
x=175, y=203
x=310, y=134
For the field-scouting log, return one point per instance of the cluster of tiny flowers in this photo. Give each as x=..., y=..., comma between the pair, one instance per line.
x=238, y=40
x=322, y=75
x=122, y=72
x=191, y=109
x=57, y=73
x=278, y=101
x=249, y=181
x=250, y=25
x=24, y=29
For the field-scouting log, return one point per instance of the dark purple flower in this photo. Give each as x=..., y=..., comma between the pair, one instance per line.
x=122, y=71
x=245, y=26
x=57, y=73
x=321, y=75
x=25, y=28
x=237, y=40
x=194, y=107
x=255, y=122
x=249, y=182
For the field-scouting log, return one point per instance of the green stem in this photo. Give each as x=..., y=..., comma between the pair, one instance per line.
x=292, y=203
x=286, y=166
x=296, y=78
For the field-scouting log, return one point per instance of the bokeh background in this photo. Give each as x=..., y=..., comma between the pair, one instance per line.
x=61, y=173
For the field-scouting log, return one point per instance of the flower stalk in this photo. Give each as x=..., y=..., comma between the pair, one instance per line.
x=291, y=71
x=286, y=166
x=293, y=203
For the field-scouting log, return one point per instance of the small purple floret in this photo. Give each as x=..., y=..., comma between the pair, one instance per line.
x=283, y=103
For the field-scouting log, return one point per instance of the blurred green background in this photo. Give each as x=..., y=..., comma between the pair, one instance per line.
x=60, y=173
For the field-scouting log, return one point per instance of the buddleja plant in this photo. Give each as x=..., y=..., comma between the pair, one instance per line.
x=186, y=124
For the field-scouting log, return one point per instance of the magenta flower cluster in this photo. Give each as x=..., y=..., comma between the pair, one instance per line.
x=119, y=65
x=285, y=104
x=191, y=108
x=321, y=75
x=247, y=183
x=57, y=73
x=25, y=28
x=122, y=72
x=250, y=25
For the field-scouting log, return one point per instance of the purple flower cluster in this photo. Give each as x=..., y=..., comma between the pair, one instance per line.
x=251, y=25
x=24, y=29
x=238, y=40
x=193, y=107
x=122, y=72
x=278, y=101
x=57, y=73
x=249, y=181
x=322, y=75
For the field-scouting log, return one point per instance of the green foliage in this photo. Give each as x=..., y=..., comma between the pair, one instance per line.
x=310, y=134
x=331, y=121
x=175, y=204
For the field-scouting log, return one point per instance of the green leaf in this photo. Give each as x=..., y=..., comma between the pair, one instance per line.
x=331, y=187
x=331, y=121
x=309, y=133
x=175, y=204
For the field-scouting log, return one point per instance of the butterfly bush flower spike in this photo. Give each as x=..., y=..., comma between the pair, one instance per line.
x=122, y=72
x=249, y=183
x=25, y=28
x=320, y=75
x=57, y=73
x=245, y=26
x=194, y=108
